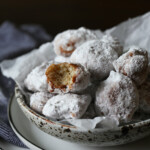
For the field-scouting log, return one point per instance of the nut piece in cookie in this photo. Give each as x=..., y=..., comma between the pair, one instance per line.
x=66, y=42
x=114, y=42
x=36, y=79
x=117, y=97
x=38, y=100
x=133, y=64
x=66, y=106
x=66, y=77
x=97, y=57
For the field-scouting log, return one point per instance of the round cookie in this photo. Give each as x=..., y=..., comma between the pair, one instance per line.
x=66, y=42
x=38, y=100
x=133, y=64
x=97, y=57
x=144, y=95
x=114, y=42
x=117, y=97
x=66, y=106
x=66, y=77
x=36, y=79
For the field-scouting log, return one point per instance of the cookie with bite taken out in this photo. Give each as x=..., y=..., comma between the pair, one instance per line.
x=67, y=77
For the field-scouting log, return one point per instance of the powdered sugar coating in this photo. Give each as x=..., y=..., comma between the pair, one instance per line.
x=36, y=79
x=38, y=100
x=61, y=59
x=114, y=42
x=144, y=96
x=133, y=64
x=81, y=82
x=117, y=97
x=97, y=57
x=66, y=42
x=66, y=106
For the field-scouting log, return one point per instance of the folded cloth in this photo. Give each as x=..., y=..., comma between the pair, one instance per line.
x=14, y=42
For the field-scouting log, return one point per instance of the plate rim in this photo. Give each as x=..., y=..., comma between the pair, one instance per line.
x=13, y=125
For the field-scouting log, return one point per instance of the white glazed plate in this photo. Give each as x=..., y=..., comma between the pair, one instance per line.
x=36, y=139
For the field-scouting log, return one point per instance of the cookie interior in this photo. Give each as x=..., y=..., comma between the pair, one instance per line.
x=61, y=75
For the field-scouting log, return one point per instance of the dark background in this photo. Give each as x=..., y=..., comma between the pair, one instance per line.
x=59, y=15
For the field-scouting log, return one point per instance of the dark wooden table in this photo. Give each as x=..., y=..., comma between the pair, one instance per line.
x=58, y=15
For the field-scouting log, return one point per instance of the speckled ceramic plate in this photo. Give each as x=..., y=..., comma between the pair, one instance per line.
x=35, y=139
x=95, y=137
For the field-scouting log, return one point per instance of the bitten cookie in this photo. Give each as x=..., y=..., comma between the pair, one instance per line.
x=66, y=106
x=133, y=64
x=66, y=77
x=66, y=42
x=97, y=57
x=117, y=97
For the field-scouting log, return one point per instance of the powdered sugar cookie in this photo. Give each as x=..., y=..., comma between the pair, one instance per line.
x=38, y=100
x=66, y=77
x=66, y=106
x=97, y=57
x=66, y=42
x=36, y=80
x=144, y=96
x=133, y=64
x=117, y=97
x=114, y=42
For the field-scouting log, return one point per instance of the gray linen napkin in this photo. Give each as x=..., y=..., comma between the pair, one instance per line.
x=15, y=41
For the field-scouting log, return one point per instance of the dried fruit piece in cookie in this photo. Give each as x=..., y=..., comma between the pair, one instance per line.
x=66, y=77
x=97, y=57
x=114, y=42
x=66, y=42
x=38, y=100
x=117, y=97
x=66, y=106
x=36, y=79
x=133, y=64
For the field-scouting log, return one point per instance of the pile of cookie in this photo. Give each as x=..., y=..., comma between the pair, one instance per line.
x=90, y=76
